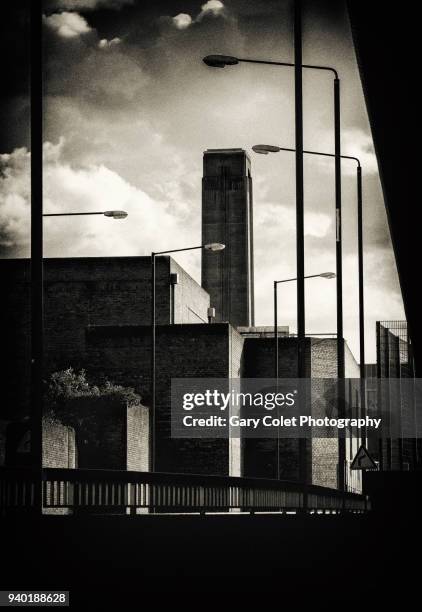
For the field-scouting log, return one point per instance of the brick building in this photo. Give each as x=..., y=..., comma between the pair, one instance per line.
x=122, y=353
x=396, y=401
x=321, y=453
x=97, y=316
x=81, y=292
x=227, y=217
x=220, y=351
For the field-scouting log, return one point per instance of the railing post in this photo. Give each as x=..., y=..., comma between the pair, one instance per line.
x=305, y=498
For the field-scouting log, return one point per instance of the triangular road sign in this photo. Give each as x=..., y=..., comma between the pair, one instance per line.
x=363, y=460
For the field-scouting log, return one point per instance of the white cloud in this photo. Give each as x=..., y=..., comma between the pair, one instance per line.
x=14, y=202
x=212, y=6
x=317, y=224
x=146, y=115
x=182, y=21
x=68, y=25
x=151, y=224
x=107, y=44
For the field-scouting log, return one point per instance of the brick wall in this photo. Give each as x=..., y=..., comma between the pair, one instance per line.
x=80, y=292
x=227, y=218
x=325, y=451
x=260, y=455
x=191, y=302
x=137, y=436
x=182, y=351
x=58, y=445
x=58, y=451
x=236, y=364
x=110, y=434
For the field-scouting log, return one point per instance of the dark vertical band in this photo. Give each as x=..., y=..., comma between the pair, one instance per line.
x=37, y=322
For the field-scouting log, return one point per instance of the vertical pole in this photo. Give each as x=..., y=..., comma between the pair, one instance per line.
x=300, y=240
x=37, y=322
x=300, y=246
x=339, y=276
x=361, y=303
x=275, y=333
x=152, y=428
x=380, y=399
x=276, y=369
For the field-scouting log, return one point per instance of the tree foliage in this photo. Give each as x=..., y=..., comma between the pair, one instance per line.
x=68, y=384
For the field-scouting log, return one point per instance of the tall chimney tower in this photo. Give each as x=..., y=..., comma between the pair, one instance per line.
x=227, y=218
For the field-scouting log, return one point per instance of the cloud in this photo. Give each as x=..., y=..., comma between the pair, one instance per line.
x=87, y=5
x=182, y=21
x=14, y=203
x=317, y=224
x=67, y=25
x=106, y=44
x=212, y=6
x=151, y=223
x=139, y=117
x=354, y=142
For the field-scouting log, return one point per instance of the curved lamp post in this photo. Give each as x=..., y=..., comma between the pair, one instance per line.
x=327, y=275
x=213, y=247
x=265, y=149
x=221, y=61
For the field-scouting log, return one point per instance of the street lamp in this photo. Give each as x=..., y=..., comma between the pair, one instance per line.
x=264, y=149
x=213, y=247
x=221, y=61
x=327, y=275
x=114, y=214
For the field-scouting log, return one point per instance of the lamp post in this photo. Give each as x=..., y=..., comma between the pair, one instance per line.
x=37, y=264
x=327, y=275
x=276, y=283
x=214, y=247
x=113, y=214
x=221, y=61
x=264, y=150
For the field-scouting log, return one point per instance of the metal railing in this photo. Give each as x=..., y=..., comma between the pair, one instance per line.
x=125, y=492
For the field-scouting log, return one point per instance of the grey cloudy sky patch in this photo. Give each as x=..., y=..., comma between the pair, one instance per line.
x=130, y=108
x=86, y=5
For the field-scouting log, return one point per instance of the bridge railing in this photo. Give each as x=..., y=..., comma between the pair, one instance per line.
x=122, y=492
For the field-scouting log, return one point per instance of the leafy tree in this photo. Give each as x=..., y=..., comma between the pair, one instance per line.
x=68, y=384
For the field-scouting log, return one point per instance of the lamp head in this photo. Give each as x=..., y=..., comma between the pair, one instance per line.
x=116, y=214
x=264, y=149
x=214, y=246
x=220, y=61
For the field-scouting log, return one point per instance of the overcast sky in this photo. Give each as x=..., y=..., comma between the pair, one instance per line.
x=130, y=108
